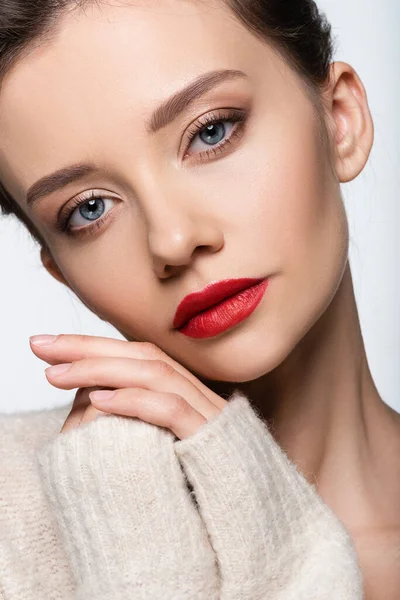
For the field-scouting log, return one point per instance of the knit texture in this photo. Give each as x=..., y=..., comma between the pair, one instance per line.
x=128, y=523
x=273, y=535
x=104, y=512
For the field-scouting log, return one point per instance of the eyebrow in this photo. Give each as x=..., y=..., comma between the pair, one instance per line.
x=162, y=116
x=178, y=102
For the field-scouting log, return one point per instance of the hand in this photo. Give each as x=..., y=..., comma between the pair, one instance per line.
x=82, y=410
x=148, y=383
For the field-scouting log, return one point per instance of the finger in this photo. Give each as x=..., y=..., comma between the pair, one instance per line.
x=91, y=413
x=155, y=375
x=79, y=405
x=79, y=409
x=82, y=396
x=70, y=347
x=165, y=410
x=74, y=419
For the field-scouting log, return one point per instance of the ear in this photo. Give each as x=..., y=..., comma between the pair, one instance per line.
x=353, y=128
x=51, y=266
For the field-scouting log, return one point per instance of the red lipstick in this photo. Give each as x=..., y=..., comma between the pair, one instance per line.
x=219, y=306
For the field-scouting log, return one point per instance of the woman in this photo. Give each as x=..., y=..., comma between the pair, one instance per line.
x=155, y=150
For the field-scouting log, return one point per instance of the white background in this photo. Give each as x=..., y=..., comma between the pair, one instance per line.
x=31, y=302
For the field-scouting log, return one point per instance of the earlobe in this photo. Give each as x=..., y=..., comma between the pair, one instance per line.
x=353, y=125
x=51, y=266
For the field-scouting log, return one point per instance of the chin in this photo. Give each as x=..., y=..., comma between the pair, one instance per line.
x=242, y=363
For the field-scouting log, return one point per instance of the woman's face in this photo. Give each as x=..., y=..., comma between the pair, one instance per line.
x=258, y=198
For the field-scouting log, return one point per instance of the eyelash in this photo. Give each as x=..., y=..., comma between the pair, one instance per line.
x=234, y=116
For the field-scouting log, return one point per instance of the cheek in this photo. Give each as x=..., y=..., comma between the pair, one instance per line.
x=286, y=202
x=111, y=277
x=311, y=232
x=302, y=231
x=289, y=215
x=278, y=196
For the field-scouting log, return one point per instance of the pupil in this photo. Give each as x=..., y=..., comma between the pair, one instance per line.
x=210, y=137
x=94, y=212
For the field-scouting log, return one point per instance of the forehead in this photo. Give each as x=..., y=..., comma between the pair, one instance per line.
x=107, y=65
x=107, y=53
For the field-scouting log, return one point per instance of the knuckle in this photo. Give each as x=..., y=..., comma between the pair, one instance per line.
x=177, y=408
x=163, y=368
x=80, y=339
x=150, y=349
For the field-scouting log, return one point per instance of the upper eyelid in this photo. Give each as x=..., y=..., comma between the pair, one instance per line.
x=64, y=226
x=81, y=198
x=238, y=115
x=222, y=112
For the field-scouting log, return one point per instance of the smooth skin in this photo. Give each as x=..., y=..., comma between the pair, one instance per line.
x=269, y=204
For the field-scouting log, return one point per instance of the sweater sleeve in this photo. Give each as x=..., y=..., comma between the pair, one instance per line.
x=274, y=537
x=127, y=520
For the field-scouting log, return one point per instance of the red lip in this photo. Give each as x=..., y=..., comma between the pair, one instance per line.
x=213, y=293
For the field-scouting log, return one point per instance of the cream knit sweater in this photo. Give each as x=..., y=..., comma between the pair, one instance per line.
x=106, y=512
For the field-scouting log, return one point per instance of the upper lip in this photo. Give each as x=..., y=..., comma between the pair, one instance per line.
x=214, y=292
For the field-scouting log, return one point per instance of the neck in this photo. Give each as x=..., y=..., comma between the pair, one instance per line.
x=323, y=408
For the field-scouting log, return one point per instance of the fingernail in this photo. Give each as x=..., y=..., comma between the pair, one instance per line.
x=58, y=369
x=42, y=340
x=102, y=395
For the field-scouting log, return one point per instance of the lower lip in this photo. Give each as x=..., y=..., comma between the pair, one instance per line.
x=226, y=314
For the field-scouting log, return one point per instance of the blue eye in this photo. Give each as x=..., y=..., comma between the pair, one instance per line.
x=211, y=130
x=215, y=130
x=91, y=208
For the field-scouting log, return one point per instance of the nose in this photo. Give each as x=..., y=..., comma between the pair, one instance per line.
x=179, y=229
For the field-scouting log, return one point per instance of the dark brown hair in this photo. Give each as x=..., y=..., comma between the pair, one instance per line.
x=296, y=28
